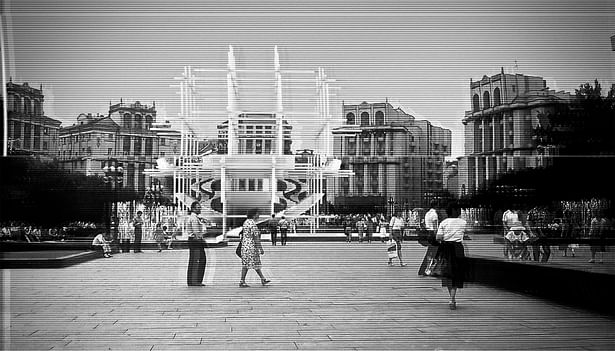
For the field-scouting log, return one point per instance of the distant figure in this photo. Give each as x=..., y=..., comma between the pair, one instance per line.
x=100, y=242
x=251, y=249
x=197, y=259
x=273, y=229
x=450, y=234
x=137, y=224
x=125, y=234
x=397, y=226
x=370, y=228
x=597, y=229
x=159, y=236
x=360, y=228
x=283, y=225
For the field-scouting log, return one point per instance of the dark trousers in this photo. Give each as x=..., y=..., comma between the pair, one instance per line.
x=546, y=252
x=274, y=237
x=125, y=245
x=283, y=236
x=196, y=262
x=137, y=244
x=431, y=252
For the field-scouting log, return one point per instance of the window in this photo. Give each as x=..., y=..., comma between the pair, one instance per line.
x=137, y=146
x=258, y=149
x=37, y=137
x=379, y=118
x=350, y=119
x=475, y=103
x=138, y=121
x=127, y=120
x=267, y=147
x=351, y=146
x=251, y=184
x=496, y=97
x=109, y=151
x=380, y=144
x=45, y=145
x=16, y=103
x=148, y=122
x=249, y=146
x=364, y=119
x=486, y=100
x=149, y=146
x=366, y=145
x=163, y=141
x=242, y=185
x=127, y=145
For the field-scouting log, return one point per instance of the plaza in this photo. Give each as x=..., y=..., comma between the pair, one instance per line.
x=324, y=295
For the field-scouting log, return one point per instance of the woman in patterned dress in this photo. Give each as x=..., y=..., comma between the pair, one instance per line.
x=251, y=249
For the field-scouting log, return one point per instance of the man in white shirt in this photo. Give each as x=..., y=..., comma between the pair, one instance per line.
x=196, y=244
x=100, y=241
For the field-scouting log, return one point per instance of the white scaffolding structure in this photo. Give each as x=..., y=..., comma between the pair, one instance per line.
x=197, y=90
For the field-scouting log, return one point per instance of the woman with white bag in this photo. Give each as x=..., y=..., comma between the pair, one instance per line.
x=396, y=225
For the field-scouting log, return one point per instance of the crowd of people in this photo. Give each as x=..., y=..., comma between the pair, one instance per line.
x=25, y=232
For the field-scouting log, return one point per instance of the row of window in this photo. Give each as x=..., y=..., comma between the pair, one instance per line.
x=365, y=118
x=249, y=184
x=486, y=100
x=27, y=107
x=137, y=122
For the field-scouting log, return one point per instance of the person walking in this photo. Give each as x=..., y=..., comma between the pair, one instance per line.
x=370, y=228
x=251, y=249
x=598, y=227
x=196, y=244
x=137, y=224
x=397, y=226
x=283, y=225
x=431, y=226
x=273, y=229
x=450, y=236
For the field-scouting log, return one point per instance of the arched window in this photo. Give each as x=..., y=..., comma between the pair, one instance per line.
x=379, y=118
x=496, y=97
x=350, y=118
x=475, y=103
x=26, y=106
x=486, y=101
x=16, y=103
x=364, y=119
x=127, y=120
x=138, y=121
x=148, y=122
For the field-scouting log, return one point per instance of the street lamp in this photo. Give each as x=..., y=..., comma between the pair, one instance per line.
x=114, y=177
x=154, y=195
x=391, y=204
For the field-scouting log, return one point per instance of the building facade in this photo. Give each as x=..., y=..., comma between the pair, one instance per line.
x=126, y=134
x=30, y=132
x=506, y=108
x=397, y=160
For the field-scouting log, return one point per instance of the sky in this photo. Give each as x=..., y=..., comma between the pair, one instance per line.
x=420, y=55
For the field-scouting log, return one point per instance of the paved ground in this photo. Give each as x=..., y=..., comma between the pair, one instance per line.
x=323, y=296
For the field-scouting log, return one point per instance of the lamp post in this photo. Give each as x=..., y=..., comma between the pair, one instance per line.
x=114, y=177
x=154, y=195
x=391, y=205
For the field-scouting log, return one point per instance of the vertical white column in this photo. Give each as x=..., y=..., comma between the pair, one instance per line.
x=223, y=195
x=279, y=105
x=273, y=184
x=231, y=89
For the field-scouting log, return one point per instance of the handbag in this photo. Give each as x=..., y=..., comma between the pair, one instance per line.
x=437, y=267
x=238, y=249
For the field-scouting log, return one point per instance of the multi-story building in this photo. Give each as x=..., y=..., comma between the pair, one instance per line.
x=126, y=134
x=30, y=132
x=506, y=108
x=256, y=134
x=397, y=160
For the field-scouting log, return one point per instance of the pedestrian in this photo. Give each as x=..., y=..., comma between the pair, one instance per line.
x=370, y=228
x=197, y=260
x=397, y=225
x=100, y=242
x=348, y=230
x=598, y=227
x=450, y=236
x=137, y=224
x=273, y=229
x=159, y=236
x=383, y=229
x=283, y=225
x=125, y=229
x=431, y=226
x=251, y=249
x=169, y=236
x=360, y=228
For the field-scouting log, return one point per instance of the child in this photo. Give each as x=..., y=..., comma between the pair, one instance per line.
x=159, y=236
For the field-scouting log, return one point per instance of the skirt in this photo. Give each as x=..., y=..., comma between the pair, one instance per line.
x=456, y=272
